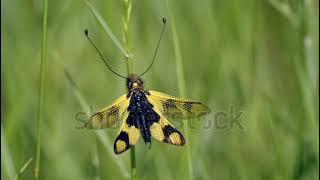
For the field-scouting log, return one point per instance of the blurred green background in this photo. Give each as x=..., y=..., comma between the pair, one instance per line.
x=259, y=56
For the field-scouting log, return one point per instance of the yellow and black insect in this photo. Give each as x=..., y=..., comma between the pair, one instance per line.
x=144, y=112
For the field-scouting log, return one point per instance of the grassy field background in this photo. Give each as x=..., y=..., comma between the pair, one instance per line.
x=258, y=57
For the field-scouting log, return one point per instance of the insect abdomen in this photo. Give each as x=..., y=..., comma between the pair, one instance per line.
x=141, y=114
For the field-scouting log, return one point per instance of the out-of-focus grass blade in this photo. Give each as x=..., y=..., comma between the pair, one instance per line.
x=308, y=100
x=22, y=169
x=96, y=165
x=82, y=101
x=106, y=28
x=41, y=89
x=285, y=10
x=181, y=84
x=162, y=167
x=102, y=136
x=106, y=143
x=275, y=148
x=6, y=159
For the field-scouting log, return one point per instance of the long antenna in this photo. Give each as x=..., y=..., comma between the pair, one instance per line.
x=105, y=62
x=155, y=53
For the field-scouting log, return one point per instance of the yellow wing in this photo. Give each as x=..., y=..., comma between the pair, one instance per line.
x=127, y=136
x=165, y=132
x=108, y=116
x=175, y=107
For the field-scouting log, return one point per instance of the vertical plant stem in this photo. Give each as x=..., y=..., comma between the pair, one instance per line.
x=133, y=163
x=41, y=87
x=181, y=85
x=309, y=41
x=127, y=5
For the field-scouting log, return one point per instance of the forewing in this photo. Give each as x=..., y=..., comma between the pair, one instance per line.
x=127, y=137
x=108, y=116
x=175, y=107
x=165, y=132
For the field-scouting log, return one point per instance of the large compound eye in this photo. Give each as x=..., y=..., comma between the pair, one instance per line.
x=129, y=84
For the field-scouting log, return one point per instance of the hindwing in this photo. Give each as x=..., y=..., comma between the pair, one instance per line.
x=165, y=132
x=127, y=137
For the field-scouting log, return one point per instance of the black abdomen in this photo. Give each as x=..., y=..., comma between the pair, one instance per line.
x=141, y=114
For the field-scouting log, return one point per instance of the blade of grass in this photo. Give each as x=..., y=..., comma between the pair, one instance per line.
x=23, y=169
x=133, y=163
x=82, y=101
x=107, y=28
x=127, y=5
x=6, y=158
x=102, y=136
x=41, y=87
x=96, y=165
x=181, y=83
x=275, y=147
x=308, y=104
x=309, y=87
x=285, y=10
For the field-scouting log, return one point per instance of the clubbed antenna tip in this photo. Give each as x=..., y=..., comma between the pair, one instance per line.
x=164, y=20
x=105, y=62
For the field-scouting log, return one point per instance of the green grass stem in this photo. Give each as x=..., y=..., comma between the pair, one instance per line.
x=23, y=169
x=41, y=87
x=285, y=9
x=107, y=28
x=311, y=59
x=127, y=6
x=181, y=84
